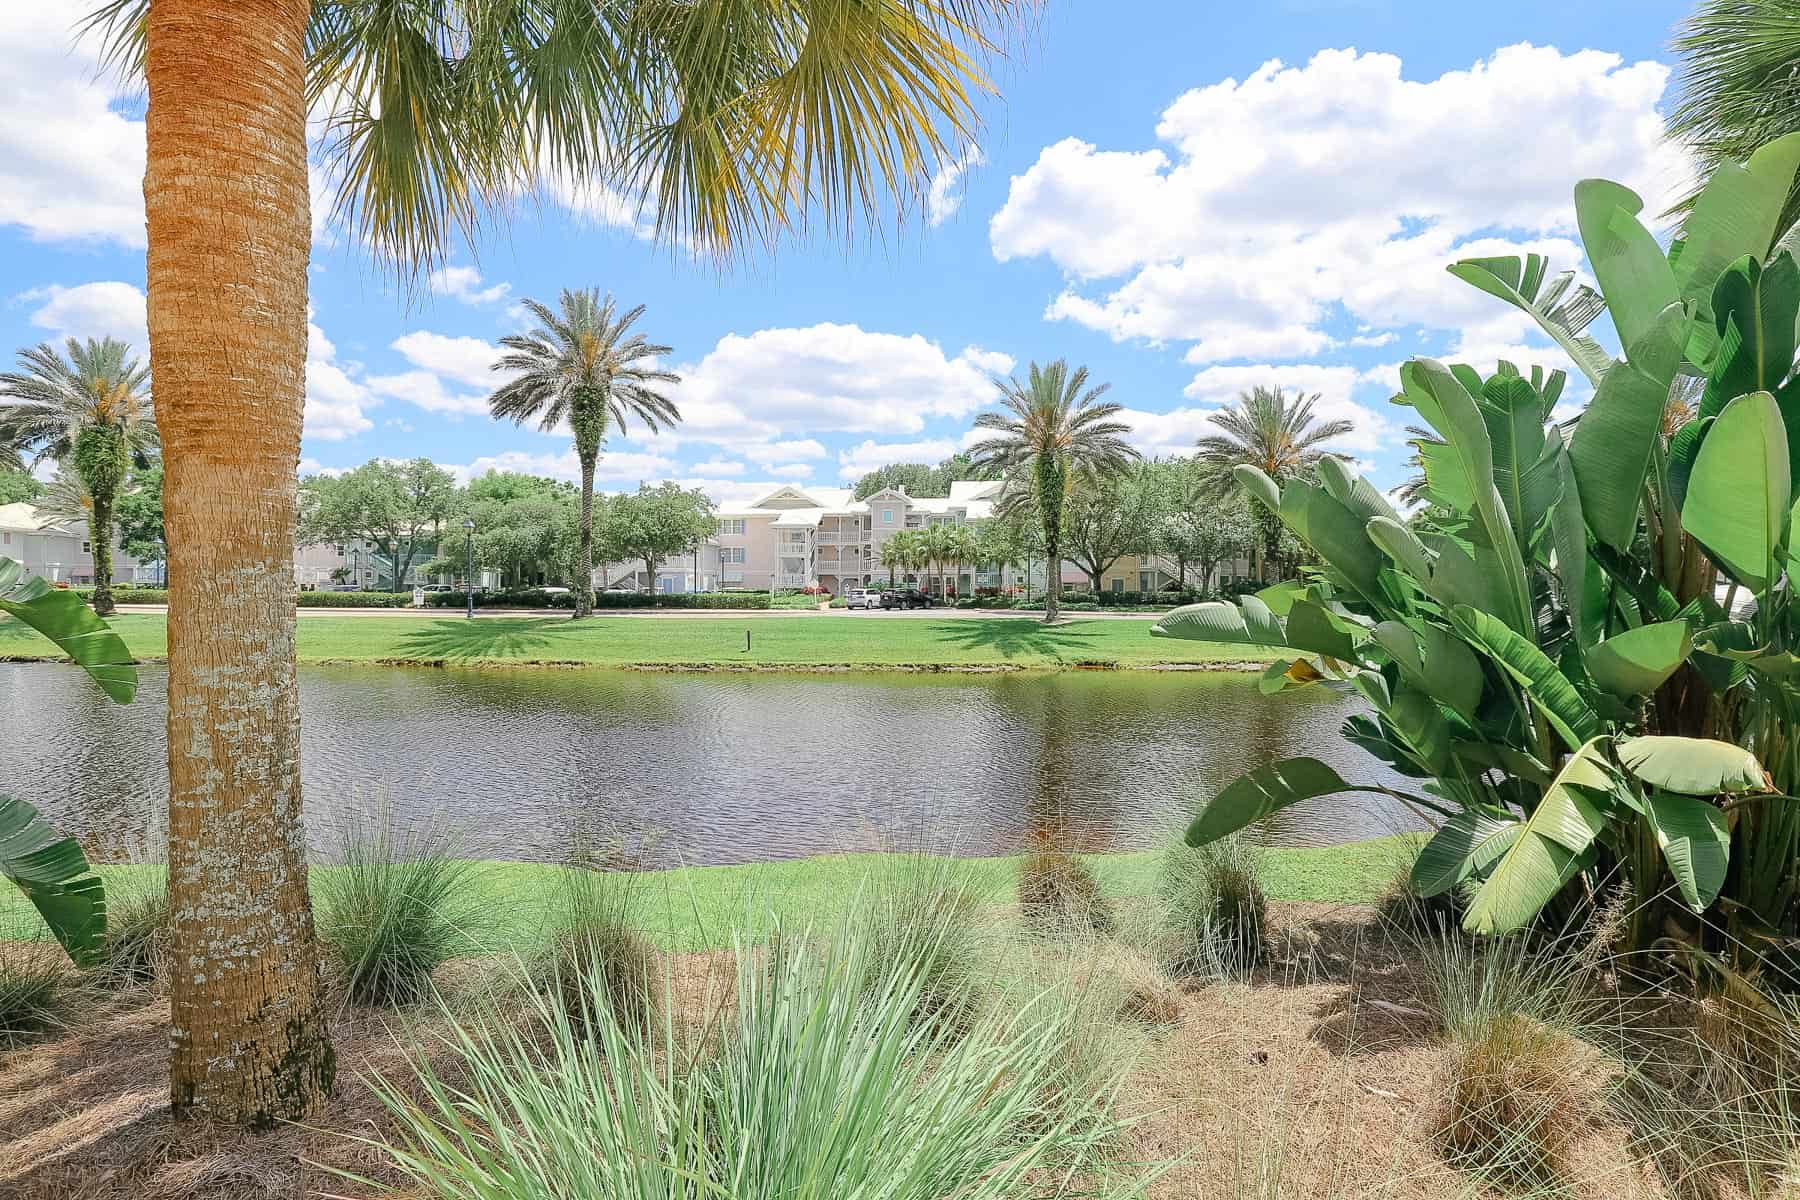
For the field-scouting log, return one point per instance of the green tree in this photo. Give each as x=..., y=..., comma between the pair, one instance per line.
x=735, y=122
x=91, y=413
x=525, y=530
x=964, y=550
x=653, y=523
x=140, y=517
x=1279, y=437
x=1051, y=428
x=399, y=507
x=1108, y=517
x=584, y=367
x=916, y=478
x=19, y=486
x=1200, y=528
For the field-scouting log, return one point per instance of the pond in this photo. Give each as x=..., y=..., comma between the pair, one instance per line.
x=716, y=768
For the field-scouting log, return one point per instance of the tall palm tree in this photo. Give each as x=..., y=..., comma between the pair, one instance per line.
x=965, y=549
x=935, y=539
x=1051, y=428
x=584, y=366
x=729, y=119
x=1737, y=85
x=91, y=413
x=894, y=554
x=1279, y=437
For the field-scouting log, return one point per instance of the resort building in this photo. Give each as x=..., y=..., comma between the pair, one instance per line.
x=59, y=550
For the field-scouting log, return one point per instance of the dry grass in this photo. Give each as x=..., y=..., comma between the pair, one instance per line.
x=1058, y=892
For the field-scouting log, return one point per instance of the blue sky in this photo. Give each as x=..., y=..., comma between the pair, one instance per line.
x=1189, y=201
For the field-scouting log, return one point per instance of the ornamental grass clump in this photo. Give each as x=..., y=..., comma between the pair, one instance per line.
x=36, y=983
x=395, y=907
x=1214, y=908
x=927, y=919
x=820, y=1089
x=1058, y=892
x=137, y=928
x=595, y=939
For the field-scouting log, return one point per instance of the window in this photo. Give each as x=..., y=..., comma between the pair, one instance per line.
x=1118, y=585
x=1144, y=581
x=887, y=516
x=87, y=547
x=732, y=527
x=731, y=554
x=5, y=539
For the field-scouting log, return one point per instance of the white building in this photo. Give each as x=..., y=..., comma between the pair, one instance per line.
x=59, y=550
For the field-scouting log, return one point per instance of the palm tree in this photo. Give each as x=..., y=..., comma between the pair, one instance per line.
x=584, y=366
x=1738, y=88
x=965, y=549
x=894, y=554
x=1281, y=439
x=729, y=119
x=935, y=541
x=91, y=413
x=1051, y=428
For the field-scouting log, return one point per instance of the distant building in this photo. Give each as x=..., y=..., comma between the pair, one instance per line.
x=59, y=550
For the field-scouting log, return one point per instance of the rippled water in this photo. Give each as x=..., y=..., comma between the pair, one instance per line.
x=719, y=768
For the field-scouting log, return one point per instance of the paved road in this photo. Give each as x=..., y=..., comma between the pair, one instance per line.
x=687, y=614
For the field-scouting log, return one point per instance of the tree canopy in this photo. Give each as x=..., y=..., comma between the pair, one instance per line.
x=399, y=507
x=653, y=523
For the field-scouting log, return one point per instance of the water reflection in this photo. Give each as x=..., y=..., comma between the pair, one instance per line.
x=719, y=768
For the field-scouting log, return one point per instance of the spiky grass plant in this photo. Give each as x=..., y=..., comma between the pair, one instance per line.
x=36, y=981
x=1058, y=893
x=1524, y=1079
x=927, y=919
x=396, y=906
x=1214, y=906
x=820, y=1090
x=137, y=928
x=595, y=935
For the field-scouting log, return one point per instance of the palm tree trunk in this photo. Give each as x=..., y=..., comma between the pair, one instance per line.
x=100, y=537
x=1050, y=505
x=584, y=571
x=225, y=197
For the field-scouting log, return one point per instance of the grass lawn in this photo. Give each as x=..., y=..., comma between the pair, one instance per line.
x=704, y=908
x=858, y=641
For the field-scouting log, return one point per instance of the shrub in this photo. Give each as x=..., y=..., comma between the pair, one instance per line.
x=316, y=599
x=820, y=1089
x=35, y=980
x=596, y=947
x=540, y=599
x=394, y=910
x=1058, y=891
x=1214, y=906
x=128, y=594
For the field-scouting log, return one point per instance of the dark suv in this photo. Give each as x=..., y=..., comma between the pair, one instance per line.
x=905, y=598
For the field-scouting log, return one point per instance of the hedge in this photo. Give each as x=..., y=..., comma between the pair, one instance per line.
x=128, y=594
x=318, y=599
x=536, y=598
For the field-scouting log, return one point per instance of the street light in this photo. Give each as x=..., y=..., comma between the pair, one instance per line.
x=469, y=579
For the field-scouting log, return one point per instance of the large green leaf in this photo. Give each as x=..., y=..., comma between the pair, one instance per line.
x=1562, y=309
x=1401, y=545
x=1736, y=213
x=1568, y=536
x=1436, y=661
x=1757, y=309
x=62, y=617
x=1738, y=495
x=1219, y=621
x=1515, y=422
x=1617, y=432
x=1312, y=626
x=1335, y=532
x=1638, y=661
x=1692, y=766
x=1694, y=842
x=1353, y=491
x=1258, y=485
x=1467, y=845
x=1261, y=792
x=54, y=875
x=1557, y=698
x=1552, y=846
x=1466, y=431
x=1632, y=270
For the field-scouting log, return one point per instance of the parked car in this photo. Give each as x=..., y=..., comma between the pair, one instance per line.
x=905, y=598
x=435, y=587
x=620, y=589
x=862, y=598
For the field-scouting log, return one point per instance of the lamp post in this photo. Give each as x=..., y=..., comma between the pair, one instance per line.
x=469, y=549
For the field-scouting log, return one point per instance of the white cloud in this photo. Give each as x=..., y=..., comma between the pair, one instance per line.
x=719, y=466
x=464, y=283
x=92, y=310
x=1219, y=386
x=768, y=452
x=428, y=392
x=466, y=360
x=791, y=470
x=71, y=164
x=726, y=492
x=866, y=456
x=335, y=398
x=614, y=471
x=1277, y=206
x=756, y=388
x=944, y=196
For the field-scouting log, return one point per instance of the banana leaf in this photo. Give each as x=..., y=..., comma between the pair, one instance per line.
x=52, y=872
x=65, y=619
x=1555, y=843
x=1692, y=766
x=1695, y=843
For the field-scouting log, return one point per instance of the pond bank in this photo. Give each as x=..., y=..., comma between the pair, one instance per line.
x=814, y=643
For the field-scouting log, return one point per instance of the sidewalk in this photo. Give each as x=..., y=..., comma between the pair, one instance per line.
x=687, y=614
